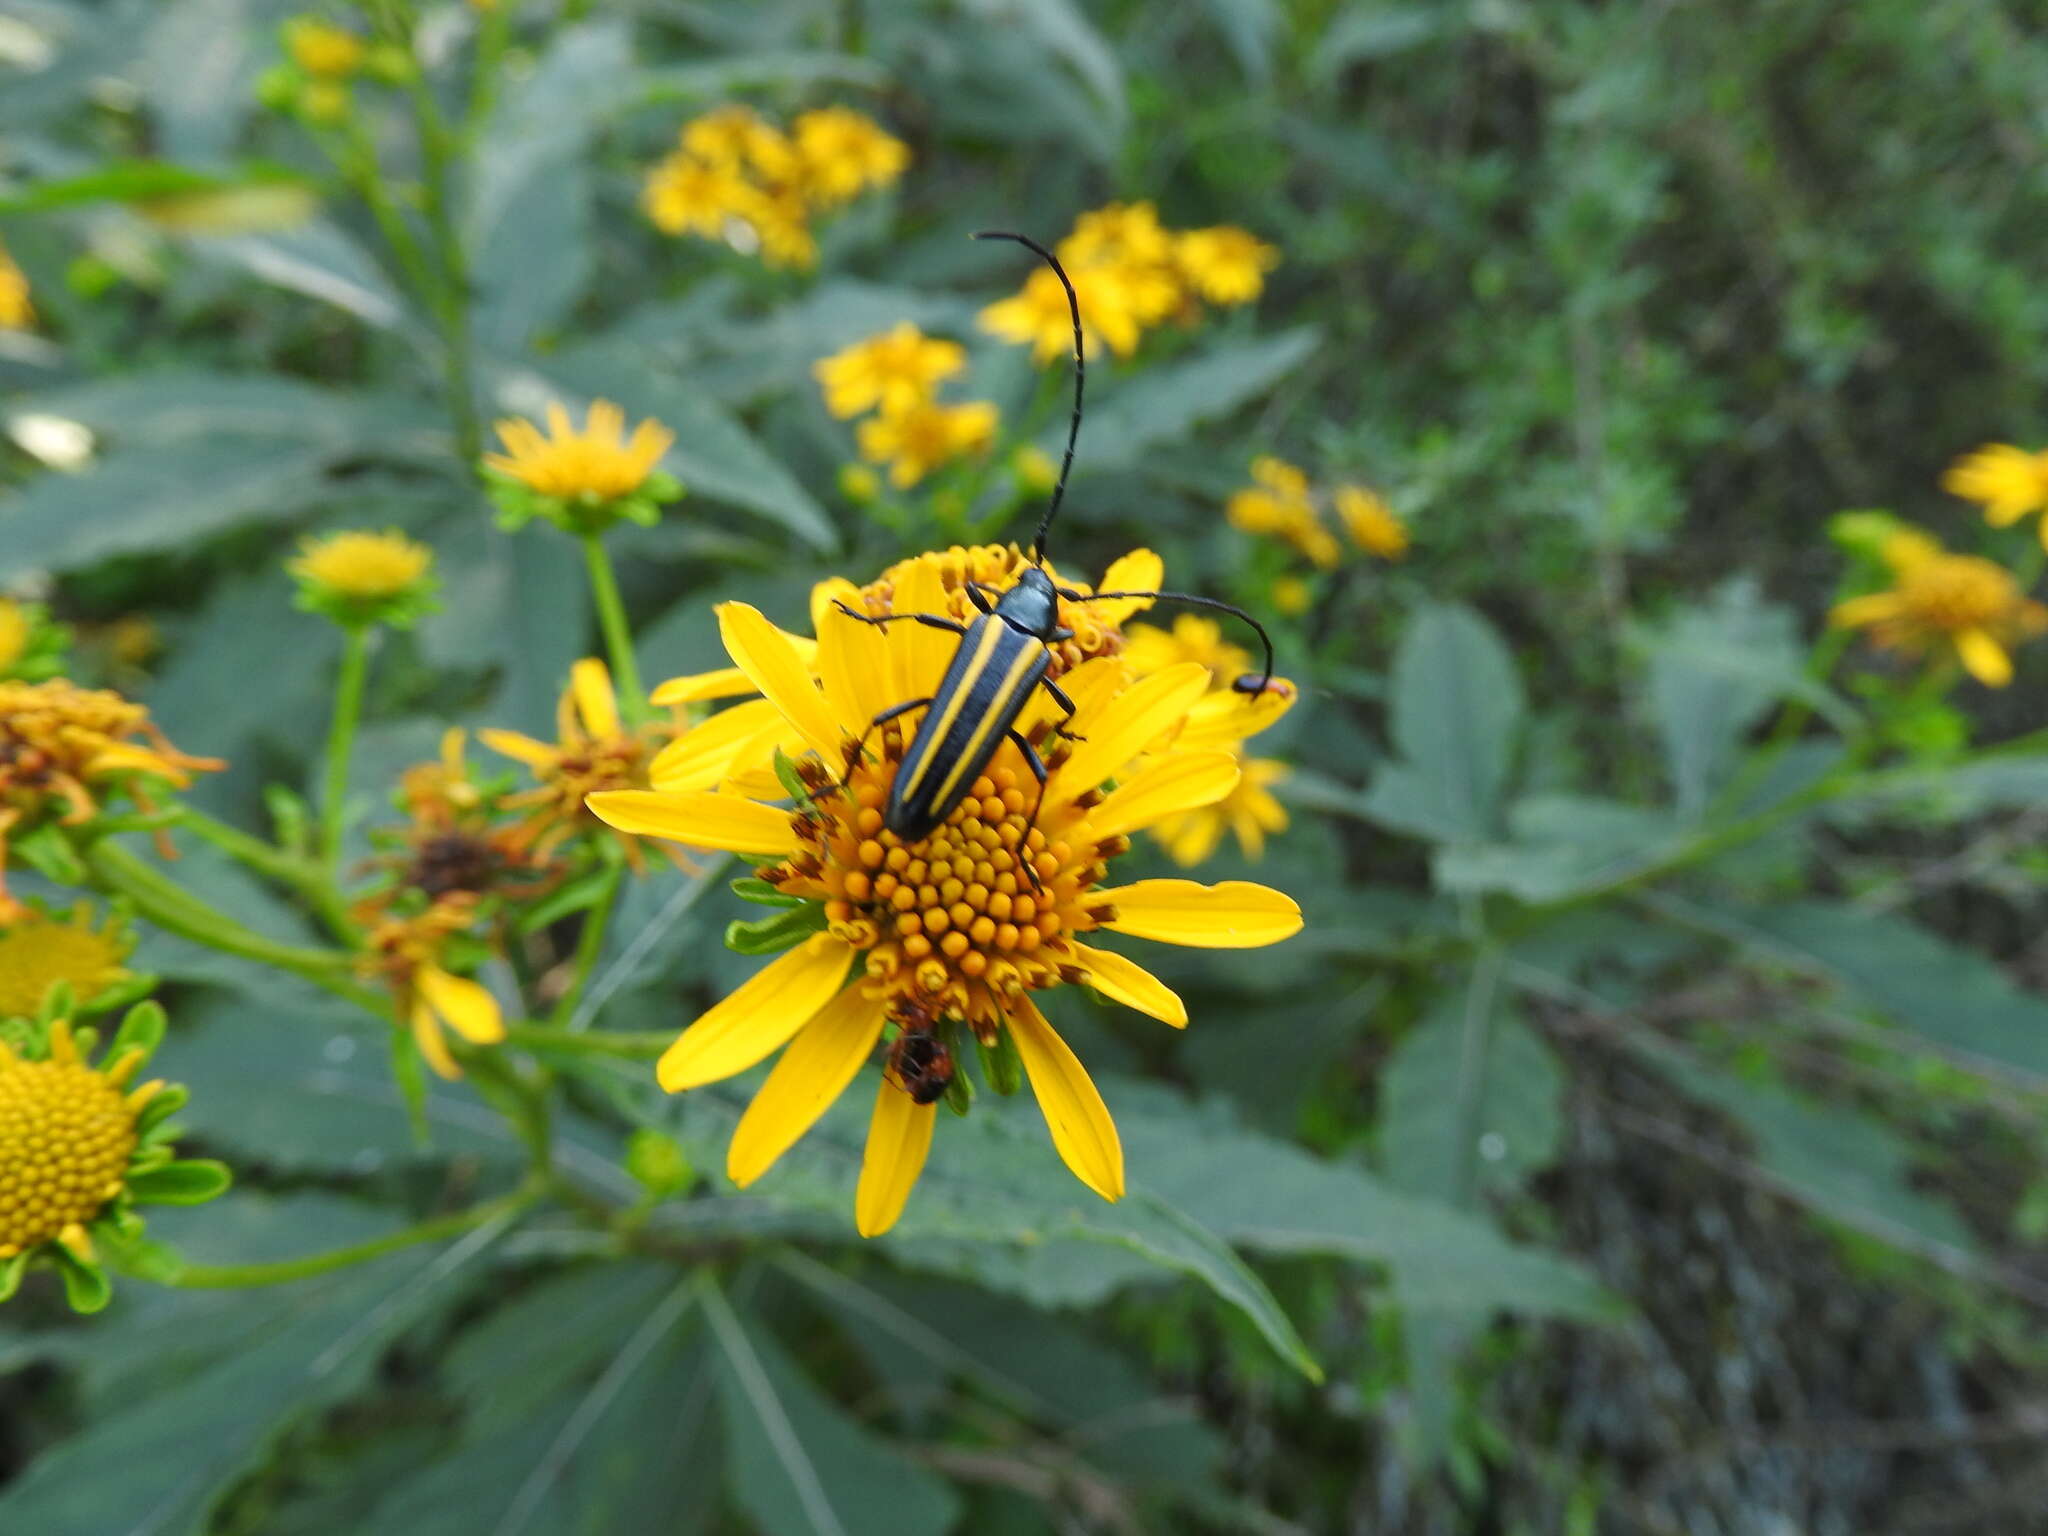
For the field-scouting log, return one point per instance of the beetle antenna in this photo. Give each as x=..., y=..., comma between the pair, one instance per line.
x=1198, y=601
x=1059, y=490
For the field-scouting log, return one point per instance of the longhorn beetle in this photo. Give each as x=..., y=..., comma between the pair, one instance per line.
x=1003, y=655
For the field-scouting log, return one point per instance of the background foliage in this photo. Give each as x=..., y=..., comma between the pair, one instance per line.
x=1643, y=1135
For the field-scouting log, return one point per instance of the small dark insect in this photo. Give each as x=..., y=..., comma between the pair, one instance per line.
x=922, y=1064
x=454, y=861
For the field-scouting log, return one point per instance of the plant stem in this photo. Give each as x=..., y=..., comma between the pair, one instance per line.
x=640, y=1045
x=438, y=149
x=341, y=736
x=618, y=634
x=274, y=864
x=172, y=908
x=246, y=1276
x=589, y=945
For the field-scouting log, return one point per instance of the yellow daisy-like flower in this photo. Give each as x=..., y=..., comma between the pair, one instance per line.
x=2007, y=482
x=365, y=578
x=1038, y=315
x=735, y=137
x=843, y=153
x=363, y=565
x=1374, y=526
x=1947, y=604
x=1225, y=265
x=595, y=751
x=1286, y=516
x=16, y=312
x=1120, y=234
x=926, y=436
x=600, y=461
x=1192, y=638
x=686, y=194
x=322, y=49
x=949, y=936
x=894, y=371
x=404, y=952
x=60, y=744
x=38, y=952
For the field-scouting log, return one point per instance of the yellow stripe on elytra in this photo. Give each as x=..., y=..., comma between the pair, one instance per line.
x=998, y=710
x=936, y=730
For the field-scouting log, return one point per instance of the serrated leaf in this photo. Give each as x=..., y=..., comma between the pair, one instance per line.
x=1455, y=711
x=1166, y=404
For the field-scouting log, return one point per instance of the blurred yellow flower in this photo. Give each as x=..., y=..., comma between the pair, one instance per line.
x=1249, y=812
x=1038, y=315
x=893, y=371
x=2007, y=482
x=38, y=951
x=1292, y=596
x=405, y=952
x=925, y=437
x=16, y=312
x=322, y=49
x=599, y=461
x=734, y=137
x=1035, y=469
x=16, y=630
x=363, y=565
x=686, y=195
x=843, y=153
x=1945, y=604
x=1374, y=526
x=947, y=962
x=1225, y=265
x=1193, y=638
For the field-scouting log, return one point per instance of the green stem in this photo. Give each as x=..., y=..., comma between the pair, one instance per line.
x=274, y=864
x=589, y=945
x=359, y=168
x=630, y=1045
x=438, y=149
x=618, y=634
x=171, y=907
x=246, y=1276
x=341, y=736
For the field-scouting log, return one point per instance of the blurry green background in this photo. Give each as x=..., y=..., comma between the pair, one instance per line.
x=1616, y=303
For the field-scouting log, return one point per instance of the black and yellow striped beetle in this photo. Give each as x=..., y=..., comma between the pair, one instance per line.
x=1003, y=655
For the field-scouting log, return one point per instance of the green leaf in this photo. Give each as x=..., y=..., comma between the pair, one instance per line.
x=1469, y=1100
x=142, y=1029
x=192, y=1182
x=1456, y=711
x=138, y=181
x=1714, y=669
x=772, y=935
x=753, y=888
x=86, y=1288
x=1564, y=845
x=1838, y=1161
x=1165, y=405
x=796, y=1463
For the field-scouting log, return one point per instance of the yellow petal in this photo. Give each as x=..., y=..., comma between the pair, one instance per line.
x=1984, y=658
x=467, y=1006
x=1234, y=914
x=1082, y=1132
x=697, y=687
x=76, y=1241
x=1858, y=611
x=1129, y=983
x=128, y=757
x=918, y=656
x=1225, y=716
x=1139, y=571
x=1166, y=786
x=752, y=770
x=697, y=819
x=826, y=595
x=766, y=655
x=899, y=1137
x=703, y=755
x=824, y=1057
x=758, y=1017
x=523, y=749
x=1122, y=725
x=597, y=703
x=1086, y=685
x=853, y=664
x=426, y=1033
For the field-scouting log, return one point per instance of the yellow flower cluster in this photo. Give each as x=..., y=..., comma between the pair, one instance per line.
x=897, y=375
x=737, y=178
x=949, y=935
x=1946, y=605
x=16, y=312
x=2009, y=483
x=1280, y=503
x=1130, y=273
x=60, y=744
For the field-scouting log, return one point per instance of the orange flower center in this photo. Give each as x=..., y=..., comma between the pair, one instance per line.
x=952, y=924
x=65, y=1137
x=1956, y=592
x=996, y=567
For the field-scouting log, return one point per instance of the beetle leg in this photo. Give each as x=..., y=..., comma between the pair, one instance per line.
x=977, y=594
x=860, y=748
x=1060, y=698
x=928, y=620
x=1037, y=767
